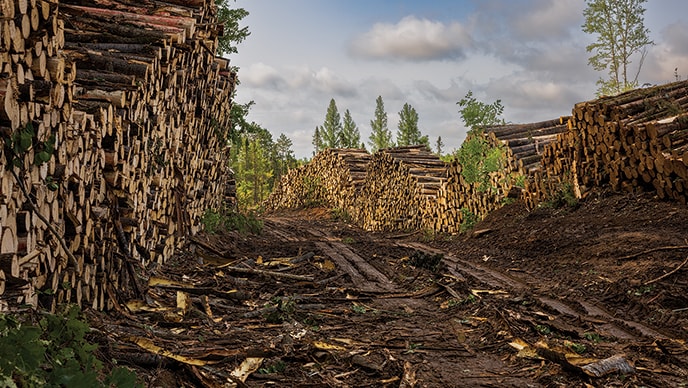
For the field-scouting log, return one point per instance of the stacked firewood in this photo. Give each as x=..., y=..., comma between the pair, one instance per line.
x=331, y=179
x=400, y=184
x=132, y=98
x=634, y=141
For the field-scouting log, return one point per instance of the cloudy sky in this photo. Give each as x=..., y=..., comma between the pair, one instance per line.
x=530, y=54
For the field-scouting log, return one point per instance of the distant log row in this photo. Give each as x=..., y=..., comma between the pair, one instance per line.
x=134, y=97
x=637, y=140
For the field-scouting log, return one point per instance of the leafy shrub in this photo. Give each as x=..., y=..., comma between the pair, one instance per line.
x=54, y=353
x=478, y=160
x=469, y=219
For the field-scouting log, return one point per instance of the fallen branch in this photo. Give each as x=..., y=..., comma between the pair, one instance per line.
x=267, y=273
x=673, y=271
x=668, y=248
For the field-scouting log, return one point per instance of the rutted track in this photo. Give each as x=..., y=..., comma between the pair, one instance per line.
x=475, y=305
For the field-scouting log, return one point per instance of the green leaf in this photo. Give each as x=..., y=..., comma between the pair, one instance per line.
x=41, y=157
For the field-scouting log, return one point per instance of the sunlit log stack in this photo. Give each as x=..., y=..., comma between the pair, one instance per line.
x=333, y=178
x=632, y=141
x=135, y=97
x=398, y=187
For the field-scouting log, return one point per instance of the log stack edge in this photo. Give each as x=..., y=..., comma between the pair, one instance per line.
x=133, y=96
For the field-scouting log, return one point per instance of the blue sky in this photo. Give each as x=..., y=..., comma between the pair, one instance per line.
x=530, y=54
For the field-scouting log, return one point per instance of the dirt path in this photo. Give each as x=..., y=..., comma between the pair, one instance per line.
x=594, y=296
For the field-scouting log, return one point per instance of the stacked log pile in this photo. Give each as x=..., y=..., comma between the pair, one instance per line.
x=633, y=141
x=333, y=178
x=133, y=96
x=460, y=202
x=400, y=184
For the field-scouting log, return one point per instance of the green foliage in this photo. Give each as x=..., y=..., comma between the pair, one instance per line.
x=284, y=158
x=563, y=196
x=477, y=115
x=350, y=136
x=468, y=220
x=215, y=221
x=478, y=160
x=380, y=136
x=439, y=146
x=408, y=133
x=22, y=141
x=232, y=33
x=317, y=141
x=331, y=130
x=277, y=367
x=620, y=30
x=280, y=310
x=338, y=214
x=54, y=353
x=254, y=168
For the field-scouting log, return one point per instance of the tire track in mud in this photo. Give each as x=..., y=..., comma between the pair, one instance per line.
x=363, y=275
x=587, y=311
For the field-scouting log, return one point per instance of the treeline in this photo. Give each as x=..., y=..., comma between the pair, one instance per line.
x=257, y=159
x=335, y=133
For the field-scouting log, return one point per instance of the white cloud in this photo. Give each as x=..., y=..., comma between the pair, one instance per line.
x=548, y=19
x=413, y=39
x=260, y=75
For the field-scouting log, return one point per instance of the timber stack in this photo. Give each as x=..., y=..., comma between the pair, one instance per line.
x=399, y=185
x=333, y=178
x=461, y=200
x=130, y=98
x=634, y=141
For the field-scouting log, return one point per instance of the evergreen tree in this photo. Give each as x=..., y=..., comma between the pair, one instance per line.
x=439, y=145
x=408, y=133
x=253, y=170
x=350, y=135
x=621, y=33
x=330, y=131
x=317, y=140
x=284, y=156
x=380, y=136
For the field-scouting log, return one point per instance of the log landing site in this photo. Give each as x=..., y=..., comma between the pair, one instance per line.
x=565, y=267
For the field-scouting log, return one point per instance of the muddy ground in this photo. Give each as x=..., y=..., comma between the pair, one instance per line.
x=591, y=296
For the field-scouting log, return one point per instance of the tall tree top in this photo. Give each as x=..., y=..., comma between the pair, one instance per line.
x=621, y=33
x=380, y=136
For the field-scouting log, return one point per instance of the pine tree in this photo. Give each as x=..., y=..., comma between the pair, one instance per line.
x=317, y=140
x=439, y=145
x=253, y=170
x=284, y=156
x=330, y=131
x=380, y=136
x=350, y=135
x=408, y=133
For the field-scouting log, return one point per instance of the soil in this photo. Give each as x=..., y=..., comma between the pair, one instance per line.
x=589, y=296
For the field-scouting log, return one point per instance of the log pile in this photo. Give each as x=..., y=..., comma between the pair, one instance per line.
x=133, y=96
x=333, y=178
x=400, y=184
x=633, y=141
x=460, y=202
